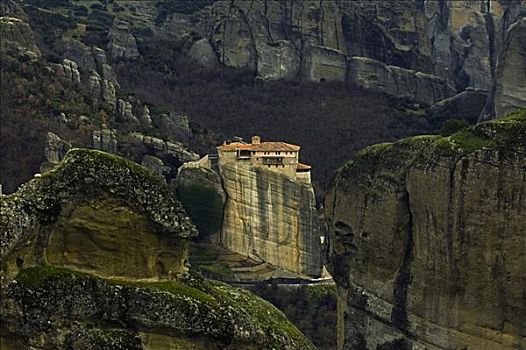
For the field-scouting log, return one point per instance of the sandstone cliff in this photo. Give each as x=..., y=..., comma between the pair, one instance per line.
x=271, y=217
x=94, y=256
x=456, y=42
x=260, y=214
x=509, y=90
x=427, y=241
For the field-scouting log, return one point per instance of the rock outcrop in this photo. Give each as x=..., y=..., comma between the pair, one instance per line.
x=53, y=218
x=164, y=149
x=94, y=256
x=17, y=34
x=426, y=241
x=466, y=105
x=324, y=64
x=446, y=43
x=509, y=92
x=69, y=70
x=122, y=42
x=401, y=82
x=105, y=140
x=271, y=217
x=55, y=148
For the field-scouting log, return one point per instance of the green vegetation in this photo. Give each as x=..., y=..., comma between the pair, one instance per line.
x=519, y=116
x=34, y=276
x=331, y=121
x=205, y=207
x=31, y=99
x=206, y=306
x=172, y=287
x=111, y=160
x=452, y=126
x=260, y=312
x=470, y=140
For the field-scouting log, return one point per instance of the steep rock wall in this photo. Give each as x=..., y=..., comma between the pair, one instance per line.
x=458, y=41
x=509, y=90
x=271, y=217
x=427, y=241
x=94, y=256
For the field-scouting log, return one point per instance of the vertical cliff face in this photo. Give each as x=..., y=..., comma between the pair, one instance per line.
x=427, y=241
x=457, y=41
x=271, y=217
x=93, y=255
x=509, y=90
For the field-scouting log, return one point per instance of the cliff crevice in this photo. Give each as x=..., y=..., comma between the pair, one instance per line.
x=426, y=241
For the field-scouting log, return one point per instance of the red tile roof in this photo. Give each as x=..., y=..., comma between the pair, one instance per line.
x=263, y=146
x=302, y=166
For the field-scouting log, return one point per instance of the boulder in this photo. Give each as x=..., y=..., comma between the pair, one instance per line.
x=69, y=70
x=203, y=53
x=124, y=111
x=145, y=116
x=170, y=152
x=79, y=53
x=105, y=140
x=466, y=105
x=122, y=43
x=154, y=164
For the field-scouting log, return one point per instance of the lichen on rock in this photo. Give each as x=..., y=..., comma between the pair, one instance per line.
x=86, y=175
x=426, y=240
x=95, y=256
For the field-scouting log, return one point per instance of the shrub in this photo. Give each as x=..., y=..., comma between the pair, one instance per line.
x=204, y=206
x=81, y=11
x=452, y=126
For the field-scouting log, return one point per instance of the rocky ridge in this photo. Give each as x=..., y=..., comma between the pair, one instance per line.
x=60, y=290
x=426, y=240
x=451, y=42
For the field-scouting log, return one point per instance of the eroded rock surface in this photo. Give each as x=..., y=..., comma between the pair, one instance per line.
x=271, y=217
x=427, y=240
x=94, y=256
x=510, y=83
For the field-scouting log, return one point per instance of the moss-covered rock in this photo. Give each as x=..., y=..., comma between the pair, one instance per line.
x=60, y=308
x=94, y=256
x=427, y=240
x=84, y=176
